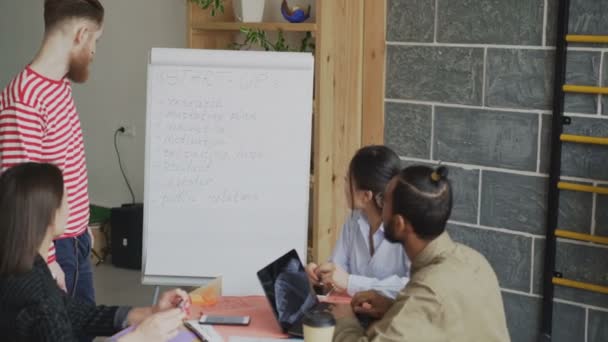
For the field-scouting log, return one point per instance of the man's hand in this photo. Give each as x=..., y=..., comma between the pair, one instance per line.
x=58, y=274
x=372, y=304
x=330, y=273
x=342, y=311
x=92, y=237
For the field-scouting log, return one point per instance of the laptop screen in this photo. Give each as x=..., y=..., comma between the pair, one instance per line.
x=287, y=288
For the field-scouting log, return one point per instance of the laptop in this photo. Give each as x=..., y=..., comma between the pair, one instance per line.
x=289, y=292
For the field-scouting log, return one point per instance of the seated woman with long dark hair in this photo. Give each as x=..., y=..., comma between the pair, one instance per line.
x=362, y=260
x=33, y=210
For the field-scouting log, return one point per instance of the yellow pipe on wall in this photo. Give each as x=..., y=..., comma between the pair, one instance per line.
x=581, y=237
x=580, y=285
x=570, y=88
x=582, y=188
x=581, y=139
x=580, y=38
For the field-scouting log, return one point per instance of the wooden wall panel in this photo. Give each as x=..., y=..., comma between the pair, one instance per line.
x=374, y=72
x=200, y=39
x=338, y=125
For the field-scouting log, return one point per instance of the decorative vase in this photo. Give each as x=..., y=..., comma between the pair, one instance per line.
x=295, y=14
x=249, y=11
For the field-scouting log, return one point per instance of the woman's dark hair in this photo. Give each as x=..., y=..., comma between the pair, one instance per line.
x=30, y=195
x=423, y=196
x=371, y=169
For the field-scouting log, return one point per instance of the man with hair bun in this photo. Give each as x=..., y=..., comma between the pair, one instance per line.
x=453, y=293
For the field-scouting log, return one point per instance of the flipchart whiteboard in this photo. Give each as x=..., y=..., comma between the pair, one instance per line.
x=227, y=166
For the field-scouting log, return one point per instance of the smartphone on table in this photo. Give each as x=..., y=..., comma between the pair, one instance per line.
x=225, y=320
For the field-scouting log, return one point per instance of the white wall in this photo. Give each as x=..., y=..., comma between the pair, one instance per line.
x=21, y=29
x=116, y=92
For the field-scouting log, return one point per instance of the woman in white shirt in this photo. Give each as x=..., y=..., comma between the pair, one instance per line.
x=362, y=259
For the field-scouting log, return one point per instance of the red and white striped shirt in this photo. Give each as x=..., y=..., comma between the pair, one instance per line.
x=39, y=123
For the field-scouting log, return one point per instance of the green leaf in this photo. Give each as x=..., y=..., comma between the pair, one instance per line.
x=217, y=6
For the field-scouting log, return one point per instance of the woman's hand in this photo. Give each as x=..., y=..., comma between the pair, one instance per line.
x=173, y=299
x=162, y=326
x=334, y=275
x=311, y=271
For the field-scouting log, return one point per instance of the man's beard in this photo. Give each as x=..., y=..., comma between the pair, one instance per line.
x=79, y=67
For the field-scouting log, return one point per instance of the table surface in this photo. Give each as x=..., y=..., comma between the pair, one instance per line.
x=263, y=322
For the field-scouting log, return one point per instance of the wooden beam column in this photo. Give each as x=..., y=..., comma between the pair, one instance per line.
x=338, y=123
x=374, y=72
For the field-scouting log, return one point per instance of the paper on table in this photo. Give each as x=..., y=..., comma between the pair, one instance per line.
x=183, y=336
x=263, y=323
x=204, y=332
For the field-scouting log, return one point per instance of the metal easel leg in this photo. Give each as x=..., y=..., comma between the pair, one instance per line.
x=156, y=294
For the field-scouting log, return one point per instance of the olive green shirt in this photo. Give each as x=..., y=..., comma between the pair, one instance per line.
x=453, y=295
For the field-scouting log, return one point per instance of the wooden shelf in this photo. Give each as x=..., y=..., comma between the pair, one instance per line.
x=348, y=107
x=236, y=26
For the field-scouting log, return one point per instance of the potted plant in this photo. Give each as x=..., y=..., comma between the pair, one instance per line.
x=216, y=6
x=251, y=11
x=258, y=37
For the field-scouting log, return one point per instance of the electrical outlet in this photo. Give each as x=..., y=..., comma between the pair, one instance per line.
x=129, y=130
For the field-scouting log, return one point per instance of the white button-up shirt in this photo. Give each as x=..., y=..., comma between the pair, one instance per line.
x=387, y=271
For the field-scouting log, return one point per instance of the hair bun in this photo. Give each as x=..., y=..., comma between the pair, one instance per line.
x=442, y=171
x=439, y=173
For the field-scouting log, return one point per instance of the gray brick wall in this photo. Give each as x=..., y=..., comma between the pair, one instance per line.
x=469, y=83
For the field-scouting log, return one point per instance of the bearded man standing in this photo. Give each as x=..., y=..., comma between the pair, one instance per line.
x=39, y=122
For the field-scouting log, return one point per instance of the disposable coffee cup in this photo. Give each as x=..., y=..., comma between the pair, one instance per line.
x=319, y=326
